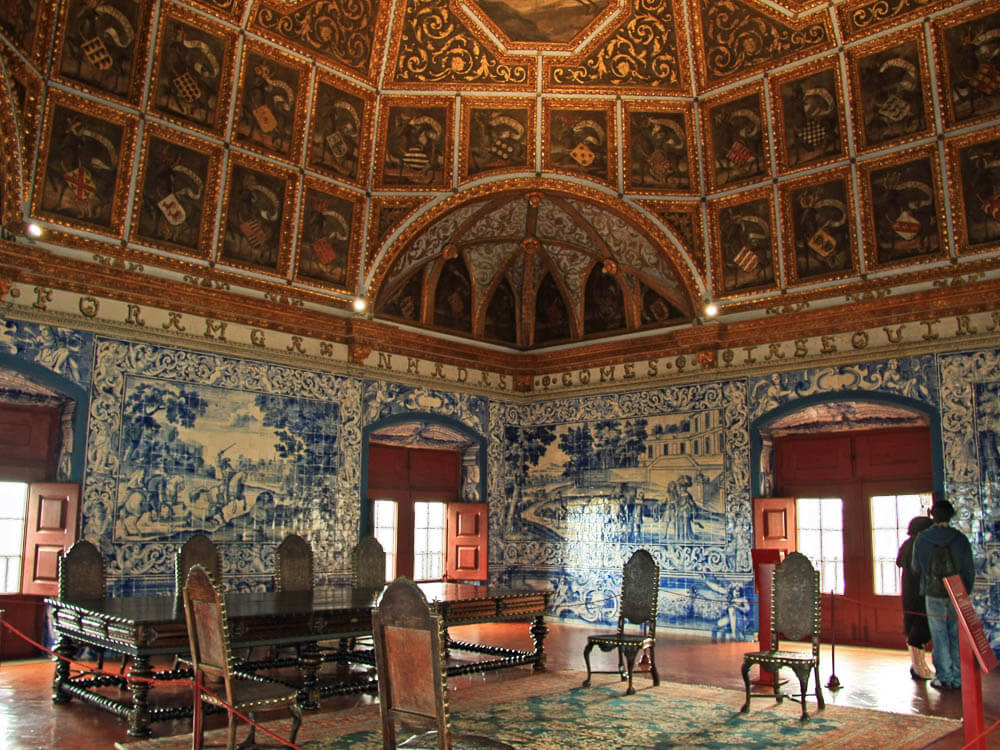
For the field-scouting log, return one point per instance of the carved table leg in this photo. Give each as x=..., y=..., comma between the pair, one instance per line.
x=138, y=718
x=65, y=649
x=538, y=632
x=310, y=660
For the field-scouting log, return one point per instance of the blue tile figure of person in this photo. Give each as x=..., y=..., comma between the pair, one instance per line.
x=941, y=615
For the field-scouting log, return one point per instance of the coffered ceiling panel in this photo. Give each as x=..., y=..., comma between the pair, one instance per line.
x=519, y=175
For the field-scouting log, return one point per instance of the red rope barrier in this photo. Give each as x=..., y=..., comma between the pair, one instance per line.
x=129, y=678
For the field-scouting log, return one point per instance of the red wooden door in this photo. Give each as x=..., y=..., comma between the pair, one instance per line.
x=854, y=467
x=467, y=538
x=50, y=527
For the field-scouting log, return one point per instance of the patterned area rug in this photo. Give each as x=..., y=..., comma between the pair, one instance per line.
x=552, y=712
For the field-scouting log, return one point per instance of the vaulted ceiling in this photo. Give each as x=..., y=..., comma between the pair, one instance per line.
x=514, y=177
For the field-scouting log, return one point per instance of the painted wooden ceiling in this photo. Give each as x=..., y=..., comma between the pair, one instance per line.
x=519, y=173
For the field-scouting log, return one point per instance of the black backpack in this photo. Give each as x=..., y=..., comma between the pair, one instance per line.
x=941, y=565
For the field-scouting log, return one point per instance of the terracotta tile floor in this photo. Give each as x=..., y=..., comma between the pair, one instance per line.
x=871, y=678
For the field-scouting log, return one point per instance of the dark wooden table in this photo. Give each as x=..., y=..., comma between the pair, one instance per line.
x=149, y=626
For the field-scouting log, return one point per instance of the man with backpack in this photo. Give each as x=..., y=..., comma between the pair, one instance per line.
x=939, y=552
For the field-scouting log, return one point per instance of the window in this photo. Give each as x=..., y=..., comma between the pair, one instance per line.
x=821, y=538
x=429, y=528
x=385, y=513
x=891, y=515
x=13, y=497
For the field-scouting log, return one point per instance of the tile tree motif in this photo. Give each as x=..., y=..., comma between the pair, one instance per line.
x=660, y=151
x=103, y=44
x=499, y=137
x=329, y=226
x=270, y=113
x=217, y=461
x=738, y=141
x=340, y=119
x=974, y=170
x=903, y=224
x=417, y=146
x=193, y=70
x=178, y=179
x=819, y=230
x=810, y=108
x=254, y=229
x=579, y=483
x=889, y=87
x=86, y=148
x=183, y=441
x=579, y=141
x=744, y=251
x=970, y=66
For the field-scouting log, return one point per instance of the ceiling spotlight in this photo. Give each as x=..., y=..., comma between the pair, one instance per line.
x=360, y=304
x=711, y=310
x=33, y=229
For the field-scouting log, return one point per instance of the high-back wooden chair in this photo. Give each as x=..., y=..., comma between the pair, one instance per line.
x=368, y=565
x=795, y=616
x=211, y=657
x=636, y=620
x=410, y=659
x=198, y=550
x=83, y=575
x=412, y=674
x=293, y=565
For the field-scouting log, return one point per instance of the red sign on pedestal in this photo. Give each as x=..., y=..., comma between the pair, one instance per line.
x=974, y=651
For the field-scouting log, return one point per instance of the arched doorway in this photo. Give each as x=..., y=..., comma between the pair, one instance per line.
x=423, y=478
x=851, y=472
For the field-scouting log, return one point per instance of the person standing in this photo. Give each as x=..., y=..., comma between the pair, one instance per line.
x=941, y=616
x=915, y=628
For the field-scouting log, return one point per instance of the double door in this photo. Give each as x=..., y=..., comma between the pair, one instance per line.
x=849, y=498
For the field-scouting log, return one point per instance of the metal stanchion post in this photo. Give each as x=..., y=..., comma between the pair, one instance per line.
x=833, y=683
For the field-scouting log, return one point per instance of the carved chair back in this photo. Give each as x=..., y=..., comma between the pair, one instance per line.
x=293, y=565
x=368, y=565
x=208, y=631
x=640, y=592
x=410, y=659
x=198, y=550
x=82, y=572
x=795, y=603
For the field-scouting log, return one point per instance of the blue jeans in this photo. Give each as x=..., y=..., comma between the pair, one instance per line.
x=943, y=623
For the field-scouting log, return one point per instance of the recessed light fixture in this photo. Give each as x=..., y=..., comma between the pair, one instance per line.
x=711, y=310
x=33, y=229
x=360, y=304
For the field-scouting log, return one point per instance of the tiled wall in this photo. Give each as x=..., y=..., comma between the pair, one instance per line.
x=180, y=440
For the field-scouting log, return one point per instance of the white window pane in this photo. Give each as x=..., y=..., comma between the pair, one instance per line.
x=883, y=508
x=807, y=510
x=833, y=513
x=11, y=537
x=13, y=496
x=809, y=541
x=885, y=543
x=833, y=544
x=11, y=568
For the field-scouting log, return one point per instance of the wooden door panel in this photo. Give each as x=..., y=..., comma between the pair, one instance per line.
x=813, y=459
x=468, y=534
x=50, y=527
x=774, y=525
x=29, y=439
